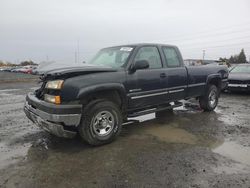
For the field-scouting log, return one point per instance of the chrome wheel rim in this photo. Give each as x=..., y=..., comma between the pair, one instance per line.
x=103, y=123
x=212, y=98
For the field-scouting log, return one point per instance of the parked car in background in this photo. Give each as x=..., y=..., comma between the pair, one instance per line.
x=239, y=78
x=34, y=70
x=16, y=69
x=3, y=68
x=26, y=69
x=21, y=69
x=7, y=69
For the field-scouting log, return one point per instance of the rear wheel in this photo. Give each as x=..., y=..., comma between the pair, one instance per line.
x=101, y=122
x=209, y=101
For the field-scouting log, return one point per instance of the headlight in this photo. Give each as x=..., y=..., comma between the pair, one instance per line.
x=52, y=99
x=55, y=84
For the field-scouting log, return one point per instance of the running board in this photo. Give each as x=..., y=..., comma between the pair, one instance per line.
x=156, y=109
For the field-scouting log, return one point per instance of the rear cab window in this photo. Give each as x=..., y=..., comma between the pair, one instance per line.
x=171, y=57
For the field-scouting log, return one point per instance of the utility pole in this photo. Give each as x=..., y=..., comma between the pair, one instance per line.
x=203, y=55
x=75, y=57
x=78, y=51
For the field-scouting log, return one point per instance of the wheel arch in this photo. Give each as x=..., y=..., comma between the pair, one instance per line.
x=214, y=79
x=114, y=92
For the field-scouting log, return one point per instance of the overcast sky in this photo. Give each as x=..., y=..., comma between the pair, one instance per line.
x=41, y=29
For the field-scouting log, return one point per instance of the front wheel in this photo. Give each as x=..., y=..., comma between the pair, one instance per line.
x=101, y=122
x=209, y=101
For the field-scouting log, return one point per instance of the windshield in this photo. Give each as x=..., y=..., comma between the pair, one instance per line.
x=114, y=57
x=241, y=69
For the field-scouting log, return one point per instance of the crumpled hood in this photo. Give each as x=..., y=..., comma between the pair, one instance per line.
x=57, y=69
x=239, y=76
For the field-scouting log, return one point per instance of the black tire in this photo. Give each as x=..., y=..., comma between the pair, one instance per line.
x=209, y=101
x=101, y=122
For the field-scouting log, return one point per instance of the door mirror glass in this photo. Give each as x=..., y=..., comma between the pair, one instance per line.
x=141, y=64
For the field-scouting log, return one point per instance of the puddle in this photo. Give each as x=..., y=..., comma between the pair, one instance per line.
x=171, y=134
x=234, y=151
x=164, y=129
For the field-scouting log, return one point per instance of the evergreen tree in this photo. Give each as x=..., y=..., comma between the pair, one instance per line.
x=231, y=60
x=242, y=57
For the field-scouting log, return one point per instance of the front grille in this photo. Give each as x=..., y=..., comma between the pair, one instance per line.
x=40, y=92
x=239, y=81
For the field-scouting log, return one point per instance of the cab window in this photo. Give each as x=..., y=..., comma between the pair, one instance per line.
x=150, y=54
x=171, y=57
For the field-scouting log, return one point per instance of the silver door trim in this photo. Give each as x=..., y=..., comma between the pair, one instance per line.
x=150, y=95
x=195, y=85
x=176, y=91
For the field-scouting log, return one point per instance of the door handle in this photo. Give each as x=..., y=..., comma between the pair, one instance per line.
x=163, y=75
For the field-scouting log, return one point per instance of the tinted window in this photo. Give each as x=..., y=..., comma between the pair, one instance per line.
x=150, y=54
x=171, y=57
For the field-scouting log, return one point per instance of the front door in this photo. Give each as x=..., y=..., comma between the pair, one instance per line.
x=147, y=86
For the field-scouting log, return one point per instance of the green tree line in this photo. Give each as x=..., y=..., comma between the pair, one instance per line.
x=236, y=59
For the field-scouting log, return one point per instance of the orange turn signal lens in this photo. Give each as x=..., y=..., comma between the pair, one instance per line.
x=52, y=99
x=57, y=100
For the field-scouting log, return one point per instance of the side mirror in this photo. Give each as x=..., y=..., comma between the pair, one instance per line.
x=141, y=64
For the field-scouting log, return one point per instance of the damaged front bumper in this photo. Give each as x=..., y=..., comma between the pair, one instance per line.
x=60, y=120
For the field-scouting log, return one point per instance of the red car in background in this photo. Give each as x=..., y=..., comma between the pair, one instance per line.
x=26, y=70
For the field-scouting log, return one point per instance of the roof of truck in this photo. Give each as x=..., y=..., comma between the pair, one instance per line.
x=144, y=44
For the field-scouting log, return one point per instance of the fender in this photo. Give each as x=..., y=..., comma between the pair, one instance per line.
x=101, y=87
x=214, y=76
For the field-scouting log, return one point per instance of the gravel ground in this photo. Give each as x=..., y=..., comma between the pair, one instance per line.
x=187, y=148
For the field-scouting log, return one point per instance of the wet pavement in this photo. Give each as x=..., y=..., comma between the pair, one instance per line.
x=186, y=148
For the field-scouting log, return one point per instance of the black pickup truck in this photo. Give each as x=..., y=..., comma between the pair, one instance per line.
x=95, y=99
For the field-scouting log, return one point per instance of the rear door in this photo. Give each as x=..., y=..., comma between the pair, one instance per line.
x=147, y=86
x=176, y=73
